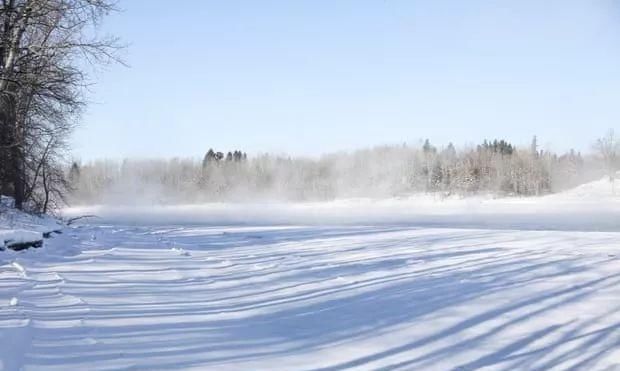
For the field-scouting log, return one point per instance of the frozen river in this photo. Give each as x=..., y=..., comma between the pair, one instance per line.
x=312, y=297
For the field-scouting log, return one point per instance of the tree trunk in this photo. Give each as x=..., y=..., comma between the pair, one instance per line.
x=14, y=161
x=46, y=190
x=18, y=176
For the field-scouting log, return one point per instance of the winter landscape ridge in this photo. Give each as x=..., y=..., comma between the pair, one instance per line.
x=419, y=282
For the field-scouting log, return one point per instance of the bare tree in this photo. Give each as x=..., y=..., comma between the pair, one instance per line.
x=608, y=147
x=43, y=44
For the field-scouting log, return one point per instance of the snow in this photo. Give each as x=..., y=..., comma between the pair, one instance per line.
x=17, y=227
x=18, y=236
x=597, y=191
x=11, y=218
x=412, y=283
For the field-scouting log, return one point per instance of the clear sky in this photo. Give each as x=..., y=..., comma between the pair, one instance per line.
x=313, y=76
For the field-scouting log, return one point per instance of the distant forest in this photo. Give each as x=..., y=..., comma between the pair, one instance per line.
x=494, y=167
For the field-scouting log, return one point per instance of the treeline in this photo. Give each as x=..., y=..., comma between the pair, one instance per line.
x=495, y=167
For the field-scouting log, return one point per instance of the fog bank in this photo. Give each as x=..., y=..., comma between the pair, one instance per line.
x=590, y=207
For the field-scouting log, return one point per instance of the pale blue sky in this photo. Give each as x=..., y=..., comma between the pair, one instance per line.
x=313, y=76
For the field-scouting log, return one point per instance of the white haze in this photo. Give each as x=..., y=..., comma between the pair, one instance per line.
x=590, y=207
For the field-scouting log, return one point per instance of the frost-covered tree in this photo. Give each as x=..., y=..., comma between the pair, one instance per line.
x=608, y=148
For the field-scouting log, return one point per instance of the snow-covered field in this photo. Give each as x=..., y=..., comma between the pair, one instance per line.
x=457, y=284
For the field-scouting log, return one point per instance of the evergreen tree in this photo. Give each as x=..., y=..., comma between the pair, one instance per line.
x=428, y=148
x=209, y=158
x=534, y=146
x=74, y=173
x=237, y=156
x=450, y=151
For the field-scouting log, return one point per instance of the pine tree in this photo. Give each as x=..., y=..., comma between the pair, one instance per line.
x=428, y=148
x=209, y=158
x=450, y=151
x=74, y=173
x=534, y=146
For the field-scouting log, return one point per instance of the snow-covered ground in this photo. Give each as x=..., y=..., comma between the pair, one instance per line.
x=457, y=284
x=17, y=227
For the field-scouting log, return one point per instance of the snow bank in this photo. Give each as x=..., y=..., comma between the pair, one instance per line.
x=19, y=229
x=13, y=237
x=11, y=218
x=598, y=191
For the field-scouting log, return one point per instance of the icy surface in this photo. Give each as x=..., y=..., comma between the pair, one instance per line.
x=312, y=297
x=591, y=207
x=440, y=295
